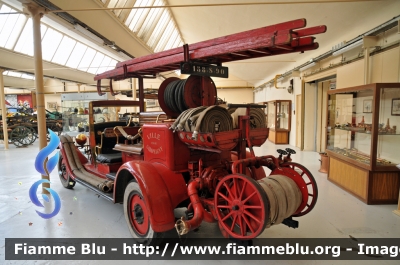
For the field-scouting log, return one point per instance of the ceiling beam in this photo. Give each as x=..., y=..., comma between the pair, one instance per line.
x=23, y=63
x=210, y=5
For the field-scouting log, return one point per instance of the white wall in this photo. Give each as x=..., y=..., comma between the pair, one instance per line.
x=235, y=95
x=310, y=119
x=271, y=93
x=386, y=66
x=350, y=75
x=52, y=98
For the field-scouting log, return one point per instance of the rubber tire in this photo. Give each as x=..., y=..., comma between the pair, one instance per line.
x=68, y=183
x=151, y=238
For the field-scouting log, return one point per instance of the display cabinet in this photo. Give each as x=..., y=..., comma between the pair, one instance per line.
x=363, y=139
x=75, y=110
x=279, y=119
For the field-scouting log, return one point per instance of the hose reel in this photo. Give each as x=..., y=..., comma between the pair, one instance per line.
x=204, y=120
x=284, y=197
x=257, y=117
x=176, y=95
x=173, y=96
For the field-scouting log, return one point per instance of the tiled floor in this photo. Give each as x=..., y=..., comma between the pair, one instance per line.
x=84, y=215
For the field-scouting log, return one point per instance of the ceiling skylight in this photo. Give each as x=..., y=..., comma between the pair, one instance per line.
x=155, y=27
x=16, y=33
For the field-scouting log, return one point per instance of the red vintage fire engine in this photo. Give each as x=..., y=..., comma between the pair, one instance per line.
x=195, y=154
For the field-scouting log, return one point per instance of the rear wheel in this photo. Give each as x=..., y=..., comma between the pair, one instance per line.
x=137, y=216
x=21, y=136
x=65, y=178
x=34, y=134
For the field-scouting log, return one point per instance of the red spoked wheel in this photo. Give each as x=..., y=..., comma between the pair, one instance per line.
x=311, y=185
x=137, y=216
x=242, y=206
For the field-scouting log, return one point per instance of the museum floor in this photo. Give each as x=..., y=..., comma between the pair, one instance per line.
x=84, y=215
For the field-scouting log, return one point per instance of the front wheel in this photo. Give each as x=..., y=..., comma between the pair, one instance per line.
x=242, y=206
x=137, y=216
x=65, y=178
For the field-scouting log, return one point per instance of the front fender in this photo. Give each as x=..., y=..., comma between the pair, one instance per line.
x=160, y=199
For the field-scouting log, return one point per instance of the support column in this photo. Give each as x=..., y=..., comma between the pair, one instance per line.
x=399, y=70
x=303, y=111
x=134, y=88
x=3, y=110
x=141, y=94
x=36, y=13
x=367, y=76
x=368, y=43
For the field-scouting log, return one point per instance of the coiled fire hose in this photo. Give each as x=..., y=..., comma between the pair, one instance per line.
x=204, y=119
x=284, y=197
x=183, y=122
x=173, y=96
x=257, y=117
x=77, y=168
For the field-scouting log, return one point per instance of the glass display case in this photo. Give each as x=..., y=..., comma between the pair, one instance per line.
x=363, y=139
x=75, y=110
x=278, y=120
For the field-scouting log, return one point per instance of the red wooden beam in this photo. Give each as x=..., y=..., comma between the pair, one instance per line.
x=309, y=31
x=277, y=39
x=294, y=24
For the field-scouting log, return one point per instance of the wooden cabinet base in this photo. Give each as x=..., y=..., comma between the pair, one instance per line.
x=278, y=137
x=372, y=187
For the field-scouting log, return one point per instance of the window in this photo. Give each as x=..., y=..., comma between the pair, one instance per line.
x=76, y=55
x=10, y=27
x=155, y=27
x=50, y=43
x=94, y=66
x=164, y=37
x=64, y=50
x=104, y=65
x=86, y=59
x=16, y=33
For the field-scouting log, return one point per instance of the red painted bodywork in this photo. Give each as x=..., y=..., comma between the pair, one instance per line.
x=161, y=145
x=126, y=157
x=175, y=167
x=162, y=190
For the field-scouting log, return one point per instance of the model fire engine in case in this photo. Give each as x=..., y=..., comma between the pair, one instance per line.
x=194, y=154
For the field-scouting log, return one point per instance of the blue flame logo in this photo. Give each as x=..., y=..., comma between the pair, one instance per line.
x=45, y=169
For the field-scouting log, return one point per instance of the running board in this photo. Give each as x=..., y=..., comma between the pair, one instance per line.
x=107, y=196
